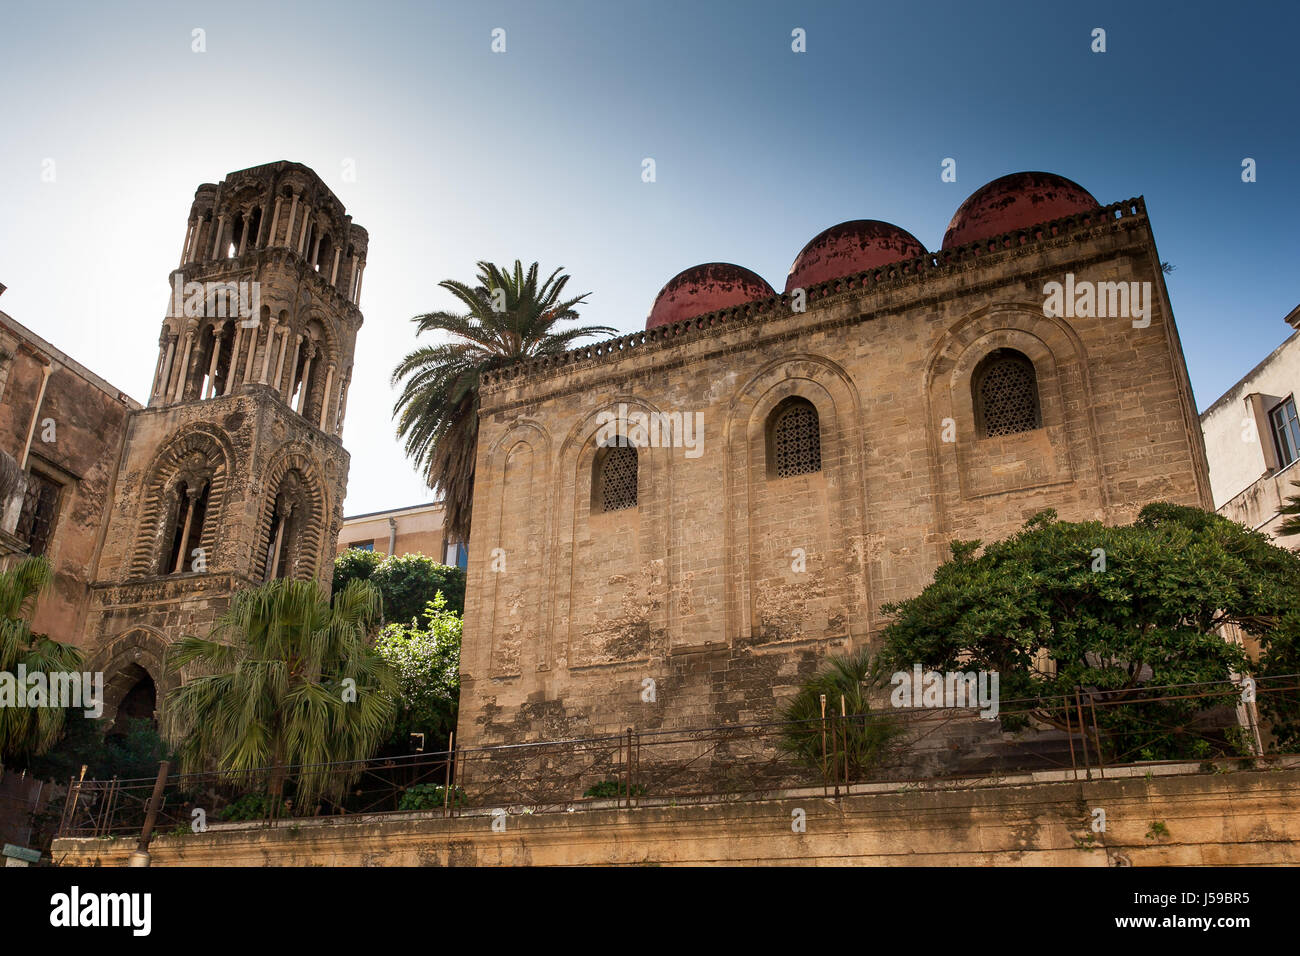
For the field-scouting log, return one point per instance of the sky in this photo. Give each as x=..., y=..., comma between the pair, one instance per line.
x=111, y=118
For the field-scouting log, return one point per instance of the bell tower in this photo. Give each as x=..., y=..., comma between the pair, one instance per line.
x=235, y=472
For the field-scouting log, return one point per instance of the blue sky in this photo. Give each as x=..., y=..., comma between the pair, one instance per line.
x=535, y=153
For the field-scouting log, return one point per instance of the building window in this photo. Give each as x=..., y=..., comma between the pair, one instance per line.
x=616, y=467
x=1286, y=432
x=1006, y=395
x=188, y=516
x=40, y=508
x=457, y=556
x=795, y=443
x=291, y=513
x=362, y=546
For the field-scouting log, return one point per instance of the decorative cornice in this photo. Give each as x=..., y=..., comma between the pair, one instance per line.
x=897, y=275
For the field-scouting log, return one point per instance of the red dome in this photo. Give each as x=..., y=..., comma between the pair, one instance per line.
x=706, y=288
x=1014, y=202
x=850, y=248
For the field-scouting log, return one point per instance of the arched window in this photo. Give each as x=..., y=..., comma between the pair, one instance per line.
x=216, y=341
x=794, y=439
x=186, y=517
x=1005, y=391
x=290, y=514
x=615, y=477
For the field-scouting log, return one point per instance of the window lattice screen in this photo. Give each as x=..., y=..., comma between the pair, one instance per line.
x=797, y=442
x=1008, y=397
x=618, y=478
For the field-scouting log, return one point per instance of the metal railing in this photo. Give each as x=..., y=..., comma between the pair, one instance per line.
x=1085, y=734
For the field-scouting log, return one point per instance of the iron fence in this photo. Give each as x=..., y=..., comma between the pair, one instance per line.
x=1086, y=733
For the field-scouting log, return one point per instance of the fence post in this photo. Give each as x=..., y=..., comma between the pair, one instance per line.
x=1083, y=733
x=141, y=855
x=446, y=787
x=627, y=769
x=825, y=779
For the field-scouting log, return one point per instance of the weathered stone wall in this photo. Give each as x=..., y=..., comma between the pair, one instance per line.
x=79, y=429
x=1242, y=818
x=570, y=611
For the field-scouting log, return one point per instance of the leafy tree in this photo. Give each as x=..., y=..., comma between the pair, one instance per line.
x=26, y=731
x=426, y=658
x=1116, y=608
x=354, y=564
x=408, y=582
x=284, y=678
x=508, y=317
x=867, y=739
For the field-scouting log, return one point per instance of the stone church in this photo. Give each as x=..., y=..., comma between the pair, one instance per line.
x=232, y=474
x=886, y=402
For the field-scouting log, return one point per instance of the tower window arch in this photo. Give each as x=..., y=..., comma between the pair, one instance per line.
x=615, y=477
x=187, y=516
x=291, y=515
x=1005, y=392
x=794, y=439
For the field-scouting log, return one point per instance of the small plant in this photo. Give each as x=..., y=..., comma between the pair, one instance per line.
x=608, y=789
x=251, y=806
x=430, y=796
x=1158, y=830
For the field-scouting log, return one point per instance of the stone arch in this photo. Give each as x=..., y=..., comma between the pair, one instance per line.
x=198, y=451
x=968, y=467
x=515, y=475
x=824, y=512
x=137, y=652
x=293, y=465
x=628, y=547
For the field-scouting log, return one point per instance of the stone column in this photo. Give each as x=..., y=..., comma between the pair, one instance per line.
x=279, y=365
x=275, y=220
x=279, y=541
x=234, y=358
x=343, y=402
x=361, y=272
x=270, y=344
x=185, y=367
x=185, y=531
x=293, y=368
x=221, y=231
x=315, y=250
x=288, y=232
x=325, y=400
x=302, y=235
x=185, y=246
x=164, y=359
x=218, y=329
x=243, y=236
x=252, y=351
x=334, y=274
x=306, y=378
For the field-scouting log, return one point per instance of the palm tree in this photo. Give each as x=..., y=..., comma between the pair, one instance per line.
x=29, y=731
x=274, y=687
x=509, y=317
x=1291, y=508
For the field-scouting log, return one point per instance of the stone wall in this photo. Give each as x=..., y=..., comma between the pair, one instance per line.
x=1239, y=818
x=570, y=611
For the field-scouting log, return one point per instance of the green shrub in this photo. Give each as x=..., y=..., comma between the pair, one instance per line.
x=251, y=806
x=430, y=796
x=608, y=789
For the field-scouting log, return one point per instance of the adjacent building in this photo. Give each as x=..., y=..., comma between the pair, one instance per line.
x=418, y=529
x=1252, y=438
